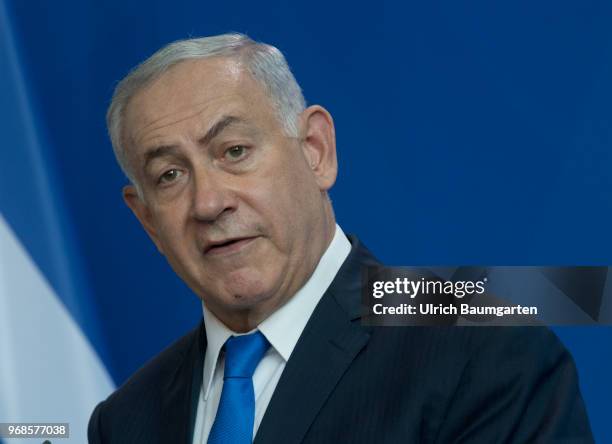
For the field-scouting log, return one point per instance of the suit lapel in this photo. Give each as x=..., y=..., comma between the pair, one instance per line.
x=328, y=345
x=180, y=395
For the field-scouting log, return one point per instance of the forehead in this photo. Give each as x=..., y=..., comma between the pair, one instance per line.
x=195, y=90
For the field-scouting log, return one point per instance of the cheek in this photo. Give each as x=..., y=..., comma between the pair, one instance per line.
x=289, y=210
x=169, y=232
x=280, y=204
x=172, y=232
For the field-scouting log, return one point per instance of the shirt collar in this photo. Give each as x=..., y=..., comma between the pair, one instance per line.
x=283, y=327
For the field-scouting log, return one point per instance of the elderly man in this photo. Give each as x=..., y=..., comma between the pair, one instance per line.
x=230, y=173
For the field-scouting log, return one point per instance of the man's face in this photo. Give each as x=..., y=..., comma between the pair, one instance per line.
x=238, y=208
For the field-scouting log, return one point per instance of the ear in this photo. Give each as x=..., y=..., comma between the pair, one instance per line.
x=319, y=145
x=142, y=212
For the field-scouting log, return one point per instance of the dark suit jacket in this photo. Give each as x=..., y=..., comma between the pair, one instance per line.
x=346, y=383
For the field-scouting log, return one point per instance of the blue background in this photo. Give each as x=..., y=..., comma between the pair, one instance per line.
x=468, y=133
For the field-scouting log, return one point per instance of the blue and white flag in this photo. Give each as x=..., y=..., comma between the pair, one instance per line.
x=50, y=368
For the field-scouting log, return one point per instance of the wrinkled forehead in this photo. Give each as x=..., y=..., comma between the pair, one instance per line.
x=183, y=86
x=204, y=86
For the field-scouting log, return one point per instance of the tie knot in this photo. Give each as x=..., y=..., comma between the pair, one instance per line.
x=243, y=353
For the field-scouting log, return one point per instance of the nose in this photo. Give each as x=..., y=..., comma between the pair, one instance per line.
x=211, y=196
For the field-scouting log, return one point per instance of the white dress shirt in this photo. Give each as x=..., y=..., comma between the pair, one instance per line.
x=282, y=329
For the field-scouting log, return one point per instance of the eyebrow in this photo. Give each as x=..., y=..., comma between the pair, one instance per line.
x=218, y=127
x=160, y=151
x=213, y=131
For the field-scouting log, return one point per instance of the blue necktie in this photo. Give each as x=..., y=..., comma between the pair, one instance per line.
x=236, y=412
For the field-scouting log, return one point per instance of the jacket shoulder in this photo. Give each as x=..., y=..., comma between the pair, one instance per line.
x=518, y=382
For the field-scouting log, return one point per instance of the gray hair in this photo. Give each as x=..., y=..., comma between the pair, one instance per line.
x=265, y=63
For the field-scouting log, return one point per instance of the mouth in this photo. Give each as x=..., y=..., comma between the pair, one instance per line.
x=227, y=246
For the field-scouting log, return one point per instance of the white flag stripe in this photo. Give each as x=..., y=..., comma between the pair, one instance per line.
x=49, y=372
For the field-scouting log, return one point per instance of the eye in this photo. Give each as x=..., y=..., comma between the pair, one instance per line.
x=235, y=152
x=169, y=176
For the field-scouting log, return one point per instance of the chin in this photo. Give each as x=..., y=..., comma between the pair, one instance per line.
x=249, y=296
x=246, y=290
x=241, y=302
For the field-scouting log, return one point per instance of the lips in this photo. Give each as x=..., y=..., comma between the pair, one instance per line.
x=226, y=246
